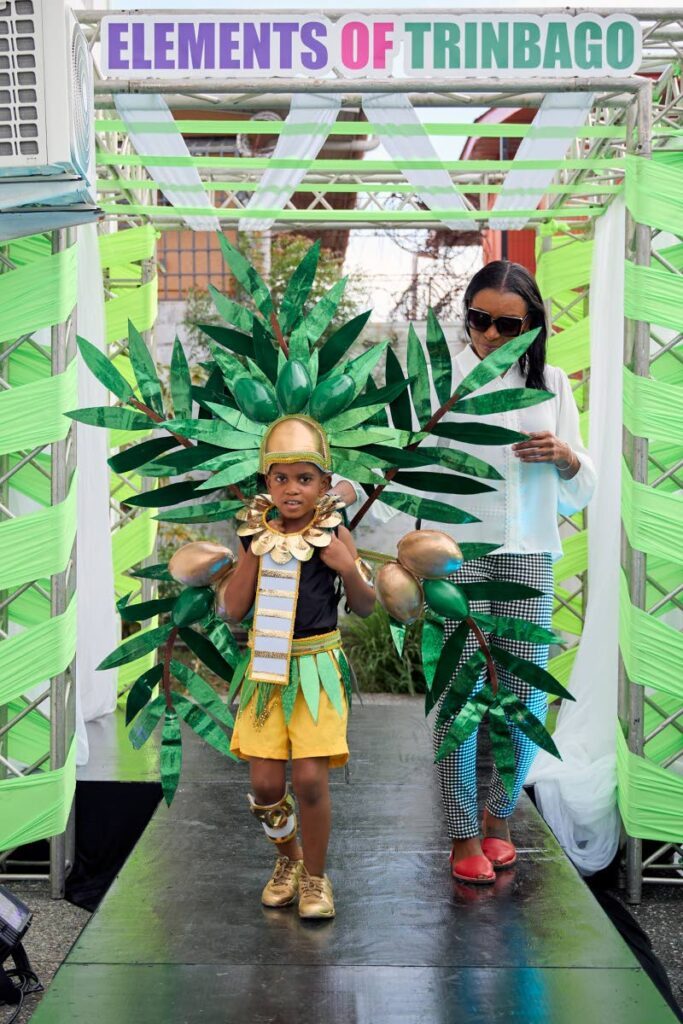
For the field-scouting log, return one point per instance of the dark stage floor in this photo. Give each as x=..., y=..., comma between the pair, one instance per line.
x=181, y=935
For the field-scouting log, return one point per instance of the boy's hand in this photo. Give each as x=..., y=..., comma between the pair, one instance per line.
x=337, y=556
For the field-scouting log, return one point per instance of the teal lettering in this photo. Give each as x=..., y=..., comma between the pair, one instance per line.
x=620, y=45
x=417, y=31
x=588, y=57
x=526, y=51
x=471, y=40
x=557, y=52
x=495, y=44
x=446, y=45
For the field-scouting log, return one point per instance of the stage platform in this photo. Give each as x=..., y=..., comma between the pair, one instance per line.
x=182, y=937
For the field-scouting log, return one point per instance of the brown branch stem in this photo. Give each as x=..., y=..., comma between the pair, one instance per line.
x=166, y=677
x=484, y=647
x=277, y=331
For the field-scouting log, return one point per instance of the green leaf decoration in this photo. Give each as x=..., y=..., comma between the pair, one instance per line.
x=477, y=433
x=247, y=275
x=462, y=686
x=233, y=474
x=152, y=572
x=248, y=690
x=141, y=453
x=171, y=494
x=290, y=691
x=209, y=512
x=331, y=683
x=144, y=369
x=338, y=344
x=298, y=289
x=447, y=661
x=515, y=629
x=146, y=722
x=360, y=368
x=499, y=591
x=446, y=598
x=192, y=605
x=322, y=314
x=354, y=470
x=170, y=755
x=345, y=670
x=140, y=692
x=439, y=358
x=381, y=418
x=235, y=418
x=144, y=609
x=203, y=725
x=404, y=459
x=238, y=676
x=441, y=483
x=214, y=433
x=113, y=417
x=467, y=722
x=135, y=646
x=417, y=371
x=293, y=386
x=181, y=461
x=230, y=366
x=501, y=401
x=207, y=653
x=401, y=413
x=432, y=643
x=235, y=341
x=220, y=635
x=496, y=363
x=354, y=438
x=531, y=673
x=181, y=384
x=313, y=367
x=310, y=683
x=381, y=396
x=398, y=635
x=425, y=508
x=518, y=714
x=502, y=748
x=462, y=462
x=353, y=417
x=264, y=354
x=471, y=550
x=104, y=370
x=231, y=312
x=202, y=692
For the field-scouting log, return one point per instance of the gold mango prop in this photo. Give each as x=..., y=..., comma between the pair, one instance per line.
x=201, y=563
x=399, y=593
x=429, y=554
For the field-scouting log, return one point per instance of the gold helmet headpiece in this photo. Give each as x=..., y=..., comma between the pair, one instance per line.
x=295, y=439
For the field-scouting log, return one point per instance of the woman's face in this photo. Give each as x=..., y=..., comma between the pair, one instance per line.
x=496, y=303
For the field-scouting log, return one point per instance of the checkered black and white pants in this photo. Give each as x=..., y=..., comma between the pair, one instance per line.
x=458, y=771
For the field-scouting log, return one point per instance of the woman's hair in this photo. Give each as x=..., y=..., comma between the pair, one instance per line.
x=503, y=276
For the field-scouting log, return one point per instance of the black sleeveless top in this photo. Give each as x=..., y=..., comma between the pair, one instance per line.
x=319, y=593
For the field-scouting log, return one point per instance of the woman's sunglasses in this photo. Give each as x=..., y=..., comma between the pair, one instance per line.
x=507, y=326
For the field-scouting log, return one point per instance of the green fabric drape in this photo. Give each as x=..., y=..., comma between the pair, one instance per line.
x=38, y=295
x=571, y=348
x=33, y=415
x=653, y=409
x=38, y=544
x=574, y=557
x=38, y=805
x=127, y=246
x=650, y=798
x=36, y=655
x=654, y=193
x=137, y=304
x=654, y=294
x=652, y=650
x=653, y=521
x=566, y=267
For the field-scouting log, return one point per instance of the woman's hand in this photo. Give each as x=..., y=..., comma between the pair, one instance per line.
x=543, y=446
x=337, y=557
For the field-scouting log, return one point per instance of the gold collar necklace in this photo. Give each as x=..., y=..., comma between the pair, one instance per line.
x=284, y=546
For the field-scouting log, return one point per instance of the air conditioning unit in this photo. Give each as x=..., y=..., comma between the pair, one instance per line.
x=47, y=137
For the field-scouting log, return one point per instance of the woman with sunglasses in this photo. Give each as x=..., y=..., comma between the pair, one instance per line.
x=549, y=472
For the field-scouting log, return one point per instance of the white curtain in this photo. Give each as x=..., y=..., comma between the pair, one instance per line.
x=577, y=796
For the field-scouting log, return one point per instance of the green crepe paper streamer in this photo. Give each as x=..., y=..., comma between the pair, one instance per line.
x=432, y=642
x=468, y=720
x=330, y=680
x=152, y=572
x=338, y=344
x=144, y=609
x=515, y=629
x=202, y=692
x=181, y=384
x=425, y=508
x=235, y=418
x=401, y=414
x=170, y=755
x=417, y=370
x=127, y=247
x=171, y=494
x=147, y=721
x=462, y=686
x=104, y=370
x=111, y=417
x=232, y=475
x=502, y=748
x=518, y=714
x=439, y=357
x=291, y=690
x=501, y=401
x=141, y=692
x=207, y=653
x=139, y=454
x=238, y=676
x=495, y=364
x=446, y=664
x=441, y=483
x=377, y=396
x=211, y=512
x=214, y=433
x=203, y=725
x=345, y=670
x=221, y=637
x=477, y=433
x=360, y=368
x=472, y=550
x=145, y=370
x=318, y=320
x=530, y=672
x=231, y=311
x=398, y=635
x=135, y=646
x=247, y=275
x=497, y=591
x=310, y=684
x=264, y=352
x=237, y=342
x=298, y=289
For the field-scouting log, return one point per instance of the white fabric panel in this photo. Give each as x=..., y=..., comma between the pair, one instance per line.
x=577, y=796
x=558, y=110
x=97, y=624
x=279, y=184
x=152, y=107
x=396, y=109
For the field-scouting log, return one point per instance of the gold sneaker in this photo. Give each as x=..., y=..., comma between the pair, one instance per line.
x=315, y=896
x=283, y=885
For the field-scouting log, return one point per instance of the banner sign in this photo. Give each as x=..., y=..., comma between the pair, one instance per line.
x=370, y=46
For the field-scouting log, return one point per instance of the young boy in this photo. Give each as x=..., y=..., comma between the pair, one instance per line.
x=294, y=699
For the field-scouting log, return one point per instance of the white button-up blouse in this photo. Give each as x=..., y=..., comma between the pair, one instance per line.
x=521, y=513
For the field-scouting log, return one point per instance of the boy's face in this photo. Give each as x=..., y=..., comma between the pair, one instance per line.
x=296, y=487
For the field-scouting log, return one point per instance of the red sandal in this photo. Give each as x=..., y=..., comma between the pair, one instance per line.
x=477, y=870
x=500, y=853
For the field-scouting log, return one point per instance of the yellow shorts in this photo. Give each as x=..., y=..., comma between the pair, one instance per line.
x=302, y=737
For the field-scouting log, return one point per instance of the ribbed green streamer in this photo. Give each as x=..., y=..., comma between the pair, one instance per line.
x=29, y=739
x=37, y=806
x=652, y=409
x=654, y=194
x=571, y=348
x=652, y=651
x=131, y=544
x=37, y=544
x=38, y=295
x=564, y=268
x=350, y=216
x=127, y=246
x=650, y=798
x=653, y=521
x=37, y=654
x=574, y=558
x=561, y=665
x=137, y=304
x=655, y=295
x=33, y=415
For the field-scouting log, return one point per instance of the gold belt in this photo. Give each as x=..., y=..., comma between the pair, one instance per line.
x=310, y=644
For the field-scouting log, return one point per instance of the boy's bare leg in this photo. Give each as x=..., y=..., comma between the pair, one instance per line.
x=310, y=780
x=268, y=781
